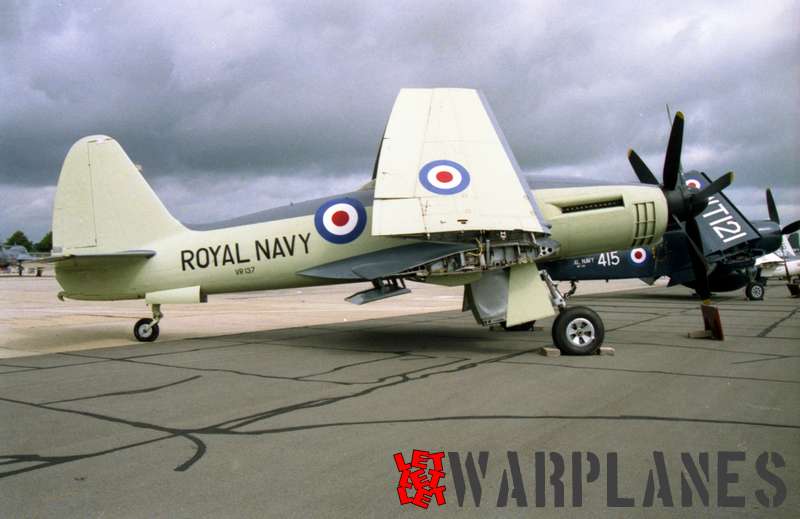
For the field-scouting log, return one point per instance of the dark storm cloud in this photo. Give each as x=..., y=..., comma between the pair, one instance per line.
x=303, y=89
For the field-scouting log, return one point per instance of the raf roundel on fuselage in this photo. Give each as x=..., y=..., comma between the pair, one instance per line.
x=340, y=220
x=639, y=255
x=444, y=177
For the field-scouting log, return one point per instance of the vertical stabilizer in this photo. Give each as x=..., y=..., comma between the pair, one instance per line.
x=103, y=204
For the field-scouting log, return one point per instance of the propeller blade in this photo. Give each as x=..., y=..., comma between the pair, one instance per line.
x=672, y=160
x=640, y=168
x=699, y=264
x=773, y=210
x=716, y=186
x=792, y=227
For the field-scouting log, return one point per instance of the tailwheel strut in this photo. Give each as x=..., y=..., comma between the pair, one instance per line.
x=146, y=330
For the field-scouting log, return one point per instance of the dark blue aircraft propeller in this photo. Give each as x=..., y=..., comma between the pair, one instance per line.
x=684, y=204
x=773, y=215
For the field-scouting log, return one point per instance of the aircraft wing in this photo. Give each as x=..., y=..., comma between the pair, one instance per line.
x=385, y=263
x=444, y=166
x=721, y=225
x=770, y=260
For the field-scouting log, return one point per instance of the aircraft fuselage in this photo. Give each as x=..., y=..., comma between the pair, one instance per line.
x=267, y=250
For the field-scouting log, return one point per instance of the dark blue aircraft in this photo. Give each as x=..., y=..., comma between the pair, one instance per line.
x=709, y=245
x=730, y=245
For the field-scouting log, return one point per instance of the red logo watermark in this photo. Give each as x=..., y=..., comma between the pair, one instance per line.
x=419, y=478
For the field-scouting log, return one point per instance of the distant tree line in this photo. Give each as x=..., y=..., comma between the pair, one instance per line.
x=43, y=245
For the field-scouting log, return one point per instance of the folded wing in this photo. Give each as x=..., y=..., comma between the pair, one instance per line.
x=444, y=166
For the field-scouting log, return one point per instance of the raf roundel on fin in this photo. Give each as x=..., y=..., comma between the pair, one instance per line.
x=340, y=220
x=444, y=177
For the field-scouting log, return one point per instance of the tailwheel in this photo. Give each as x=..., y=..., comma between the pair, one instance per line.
x=754, y=291
x=146, y=330
x=578, y=331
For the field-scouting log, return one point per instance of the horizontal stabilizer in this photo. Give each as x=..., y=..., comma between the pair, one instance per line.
x=100, y=257
x=385, y=263
x=444, y=166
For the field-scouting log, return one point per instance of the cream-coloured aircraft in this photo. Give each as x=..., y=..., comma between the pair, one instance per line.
x=446, y=205
x=783, y=264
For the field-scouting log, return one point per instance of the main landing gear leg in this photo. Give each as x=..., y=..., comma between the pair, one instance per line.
x=577, y=330
x=146, y=330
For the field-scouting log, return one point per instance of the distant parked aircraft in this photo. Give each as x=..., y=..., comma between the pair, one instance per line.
x=14, y=256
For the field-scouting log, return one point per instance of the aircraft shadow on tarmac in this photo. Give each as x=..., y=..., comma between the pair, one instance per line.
x=672, y=294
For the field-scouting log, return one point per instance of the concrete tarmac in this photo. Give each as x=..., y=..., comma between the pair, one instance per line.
x=304, y=421
x=33, y=321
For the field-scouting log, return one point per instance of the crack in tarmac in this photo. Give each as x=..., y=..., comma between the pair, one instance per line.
x=448, y=365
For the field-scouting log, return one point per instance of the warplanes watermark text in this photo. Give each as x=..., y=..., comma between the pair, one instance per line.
x=553, y=479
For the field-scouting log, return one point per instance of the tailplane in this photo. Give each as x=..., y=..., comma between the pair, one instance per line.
x=103, y=204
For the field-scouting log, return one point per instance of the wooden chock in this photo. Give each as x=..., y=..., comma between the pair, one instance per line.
x=711, y=322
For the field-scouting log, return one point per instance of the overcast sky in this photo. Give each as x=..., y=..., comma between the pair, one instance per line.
x=236, y=108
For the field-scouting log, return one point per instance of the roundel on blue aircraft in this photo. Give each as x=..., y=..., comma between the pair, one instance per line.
x=340, y=220
x=693, y=183
x=444, y=177
x=638, y=255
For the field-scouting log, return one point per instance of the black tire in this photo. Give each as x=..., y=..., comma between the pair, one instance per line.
x=578, y=331
x=754, y=291
x=794, y=289
x=141, y=335
x=524, y=327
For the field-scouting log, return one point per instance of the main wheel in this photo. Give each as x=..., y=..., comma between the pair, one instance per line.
x=754, y=291
x=578, y=331
x=144, y=331
x=524, y=327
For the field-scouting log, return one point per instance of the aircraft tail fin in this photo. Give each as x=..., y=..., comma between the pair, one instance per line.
x=103, y=204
